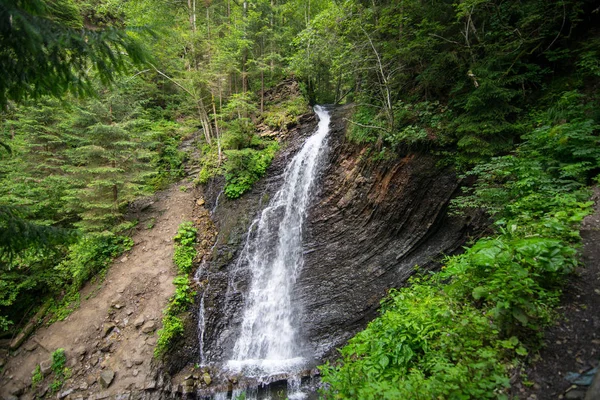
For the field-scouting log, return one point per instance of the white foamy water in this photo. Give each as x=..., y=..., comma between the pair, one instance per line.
x=268, y=340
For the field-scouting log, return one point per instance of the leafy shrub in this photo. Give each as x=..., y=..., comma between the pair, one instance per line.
x=183, y=297
x=244, y=167
x=185, y=249
x=92, y=253
x=172, y=329
x=36, y=376
x=285, y=114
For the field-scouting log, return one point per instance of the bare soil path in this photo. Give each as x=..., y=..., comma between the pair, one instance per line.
x=114, y=329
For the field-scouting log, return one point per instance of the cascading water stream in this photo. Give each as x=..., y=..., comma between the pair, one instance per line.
x=268, y=340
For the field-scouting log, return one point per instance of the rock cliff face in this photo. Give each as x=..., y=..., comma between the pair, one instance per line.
x=369, y=225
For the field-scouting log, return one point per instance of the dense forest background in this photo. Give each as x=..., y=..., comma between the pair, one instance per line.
x=98, y=95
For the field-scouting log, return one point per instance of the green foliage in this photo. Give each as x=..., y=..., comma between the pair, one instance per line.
x=46, y=49
x=185, y=251
x=171, y=330
x=183, y=297
x=59, y=360
x=185, y=247
x=456, y=333
x=91, y=254
x=36, y=376
x=284, y=114
x=244, y=167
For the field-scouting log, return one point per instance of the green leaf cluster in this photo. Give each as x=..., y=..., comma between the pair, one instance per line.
x=244, y=167
x=183, y=257
x=185, y=247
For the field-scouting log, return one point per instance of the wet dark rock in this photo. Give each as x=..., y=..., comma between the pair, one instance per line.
x=369, y=225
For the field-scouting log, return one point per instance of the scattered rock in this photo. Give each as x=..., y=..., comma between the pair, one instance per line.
x=206, y=378
x=83, y=386
x=135, y=372
x=129, y=312
x=63, y=394
x=138, y=361
x=18, y=389
x=31, y=345
x=46, y=367
x=107, y=329
x=81, y=351
x=124, y=259
x=107, y=347
x=575, y=394
x=106, y=378
x=118, y=306
x=128, y=364
x=139, y=322
x=200, y=202
x=150, y=385
x=149, y=327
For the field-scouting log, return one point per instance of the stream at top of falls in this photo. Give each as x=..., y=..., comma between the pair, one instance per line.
x=269, y=344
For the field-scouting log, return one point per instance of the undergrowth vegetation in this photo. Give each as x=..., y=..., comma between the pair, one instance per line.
x=183, y=257
x=459, y=332
x=245, y=154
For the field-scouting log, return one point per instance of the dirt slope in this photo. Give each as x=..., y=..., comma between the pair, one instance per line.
x=114, y=329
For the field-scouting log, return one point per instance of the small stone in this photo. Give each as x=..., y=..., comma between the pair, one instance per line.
x=108, y=327
x=106, y=378
x=81, y=351
x=65, y=393
x=107, y=347
x=139, y=322
x=94, y=361
x=150, y=385
x=575, y=394
x=31, y=346
x=129, y=312
x=138, y=361
x=128, y=364
x=83, y=386
x=135, y=372
x=206, y=378
x=46, y=367
x=149, y=327
x=124, y=259
x=151, y=341
x=18, y=389
x=118, y=306
x=200, y=202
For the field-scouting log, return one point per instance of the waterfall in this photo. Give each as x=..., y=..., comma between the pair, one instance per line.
x=268, y=338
